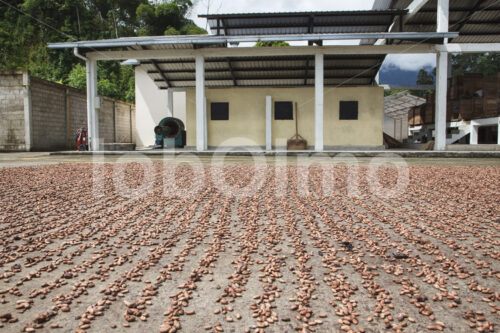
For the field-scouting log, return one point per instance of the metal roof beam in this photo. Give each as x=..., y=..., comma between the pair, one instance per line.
x=223, y=40
x=311, y=24
x=485, y=33
x=230, y=71
x=463, y=10
x=267, y=85
x=158, y=68
x=469, y=48
x=259, y=78
x=161, y=73
x=306, y=71
x=263, y=51
x=454, y=23
x=408, y=87
x=305, y=14
x=308, y=26
x=261, y=69
x=350, y=58
x=414, y=8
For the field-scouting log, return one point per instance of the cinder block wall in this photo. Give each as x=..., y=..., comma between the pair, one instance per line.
x=48, y=115
x=12, y=127
x=106, y=121
x=77, y=114
x=52, y=113
x=125, y=116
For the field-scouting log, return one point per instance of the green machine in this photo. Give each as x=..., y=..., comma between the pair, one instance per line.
x=170, y=133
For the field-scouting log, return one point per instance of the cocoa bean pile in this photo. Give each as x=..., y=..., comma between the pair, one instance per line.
x=282, y=255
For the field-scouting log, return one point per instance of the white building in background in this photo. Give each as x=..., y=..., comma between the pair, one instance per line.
x=396, y=108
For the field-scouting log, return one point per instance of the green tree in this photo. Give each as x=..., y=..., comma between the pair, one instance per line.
x=487, y=64
x=26, y=26
x=192, y=29
x=271, y=44
x=77, y=78
x=424, y=78
x=166, y=18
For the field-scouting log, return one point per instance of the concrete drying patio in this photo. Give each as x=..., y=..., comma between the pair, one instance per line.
x=283, y=258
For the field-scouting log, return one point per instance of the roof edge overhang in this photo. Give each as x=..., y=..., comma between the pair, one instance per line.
x=306, y=13
x=224, y=40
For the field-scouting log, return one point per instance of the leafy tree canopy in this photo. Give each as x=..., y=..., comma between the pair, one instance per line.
x=424, y=77
x=26, y=26
x=487, y=64
x=271, y=44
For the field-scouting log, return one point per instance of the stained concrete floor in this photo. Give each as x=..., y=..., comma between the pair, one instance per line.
x=45, y=158
x=283, y=260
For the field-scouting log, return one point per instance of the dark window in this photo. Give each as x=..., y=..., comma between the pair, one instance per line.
x=219, y=111
x=283, y=111
x=348, y=110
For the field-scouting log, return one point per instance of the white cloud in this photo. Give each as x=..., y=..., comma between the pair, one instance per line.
x=265, y=6
x=409, y=62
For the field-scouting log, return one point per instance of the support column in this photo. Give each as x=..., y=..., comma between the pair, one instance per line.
x=92, y=116
x=474, y=134
x=28, y=133
x=97, y=106
x=205, y=125
x=442, y=24
x=269, y=124
x=318, y=102
x=90, y=132
x=200, y=103
x=443, y=13
x=441, y=100
x=170, y=103
x=498, y=132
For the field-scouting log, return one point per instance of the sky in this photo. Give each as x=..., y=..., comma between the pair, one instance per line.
x=410, y=62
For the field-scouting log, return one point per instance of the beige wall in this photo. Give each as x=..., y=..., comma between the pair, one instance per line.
x=151, y=107
x=247, y=124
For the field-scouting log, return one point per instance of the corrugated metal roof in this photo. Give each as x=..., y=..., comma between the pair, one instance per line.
x=476, y=21
x=266, y=71
x=398, y=105
x=302, y=22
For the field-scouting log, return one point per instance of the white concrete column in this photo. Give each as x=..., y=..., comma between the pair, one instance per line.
x=269, y=123
x=90, y=101
x=28, y=135
x=200, y=103
x=205, y=123
x=443, y=14
x=442, y=25
x=498, y=132
x=441, y=100
x=97, y=105
x=318, y=102
x=92, y=115
x=170, y=103
x=474, y=134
